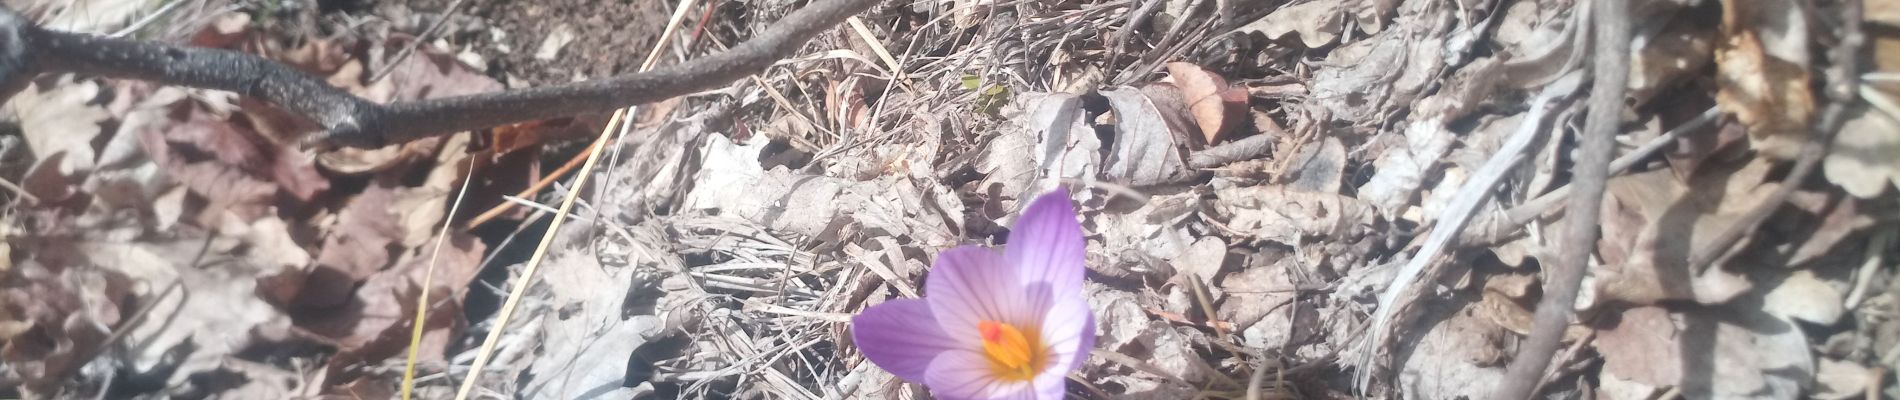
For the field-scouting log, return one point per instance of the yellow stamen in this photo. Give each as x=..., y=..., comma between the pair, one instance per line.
x=1013, y=355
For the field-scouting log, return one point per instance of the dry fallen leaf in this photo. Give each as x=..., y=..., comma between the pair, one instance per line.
x=1836, y=379
x=218, y=156
x=1289, y=216
x=1730, y=352
x=1151, y=136
x=376, y=322
x=61, y=119
x=731, y=170
x=214, y=314
x=1047, y=140
x=588, y=343
x=1652, y=222
x=358, y=246
x=1461, y=356
x=1402, y=171
x=1144, y=238
x=1866, y=156
x=1762, y=73
x=1262, y=303
x=1216, y=107
x=1804, y=296
x=1360, y=87
x=1202, y=260
x=1883, y=12
x=1319, y=167
x=1318, y=22
x=432, y=75
x=422, y=207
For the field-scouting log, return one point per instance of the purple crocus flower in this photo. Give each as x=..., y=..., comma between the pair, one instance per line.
x=992, y=326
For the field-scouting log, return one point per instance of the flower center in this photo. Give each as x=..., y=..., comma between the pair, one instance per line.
x=1013, y=355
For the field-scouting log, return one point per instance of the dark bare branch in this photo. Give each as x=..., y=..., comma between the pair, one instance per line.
x=1590, y=174
x=27, y=50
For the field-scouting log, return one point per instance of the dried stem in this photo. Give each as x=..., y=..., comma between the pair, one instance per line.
x=1591, y=173
x=347, y=120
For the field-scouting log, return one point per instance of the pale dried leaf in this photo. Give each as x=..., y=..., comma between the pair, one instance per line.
x=221, y=315
x=1709, y=352
x=1319, y=23
x=1462, y=356
x=1866, y=156
x=377, y=320
x=433, y=75
x=1288, y=216
x=1358, y=86
x=1836, y=379
x=420, y=208
x=1262, y=303
x=1402, y=171
x=1613, y=387
x=1145, y=237
x=1539, y=45
x=1119, y=317
x=1202, y=260
x=1151, y=135
x=1884, y=12
x=728, y=175
x=1804, y=296
x=61, y=119
x=1048, y=139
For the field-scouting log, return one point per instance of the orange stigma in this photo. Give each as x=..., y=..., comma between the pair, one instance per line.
x=1013, y=355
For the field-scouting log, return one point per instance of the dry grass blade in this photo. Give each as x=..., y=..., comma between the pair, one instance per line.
x=883, y=54
x=534, y=264
x=428, y=281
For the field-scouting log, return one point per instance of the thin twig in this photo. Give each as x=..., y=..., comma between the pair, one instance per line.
x=547, y=180
x=421, y=37
x=27, y=50
x=1243, y=149
x=149, y=18
x=1590, y=175
x=1550, y=203
x=1840, y=94
x=19, y=191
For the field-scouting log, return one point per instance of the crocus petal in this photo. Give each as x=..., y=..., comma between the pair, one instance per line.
x=1087, y=342
x=1052, y=386
x=1046, y=245
x=901, y=336
x=969, y=285
x=1069, y=330
x=960, y=374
